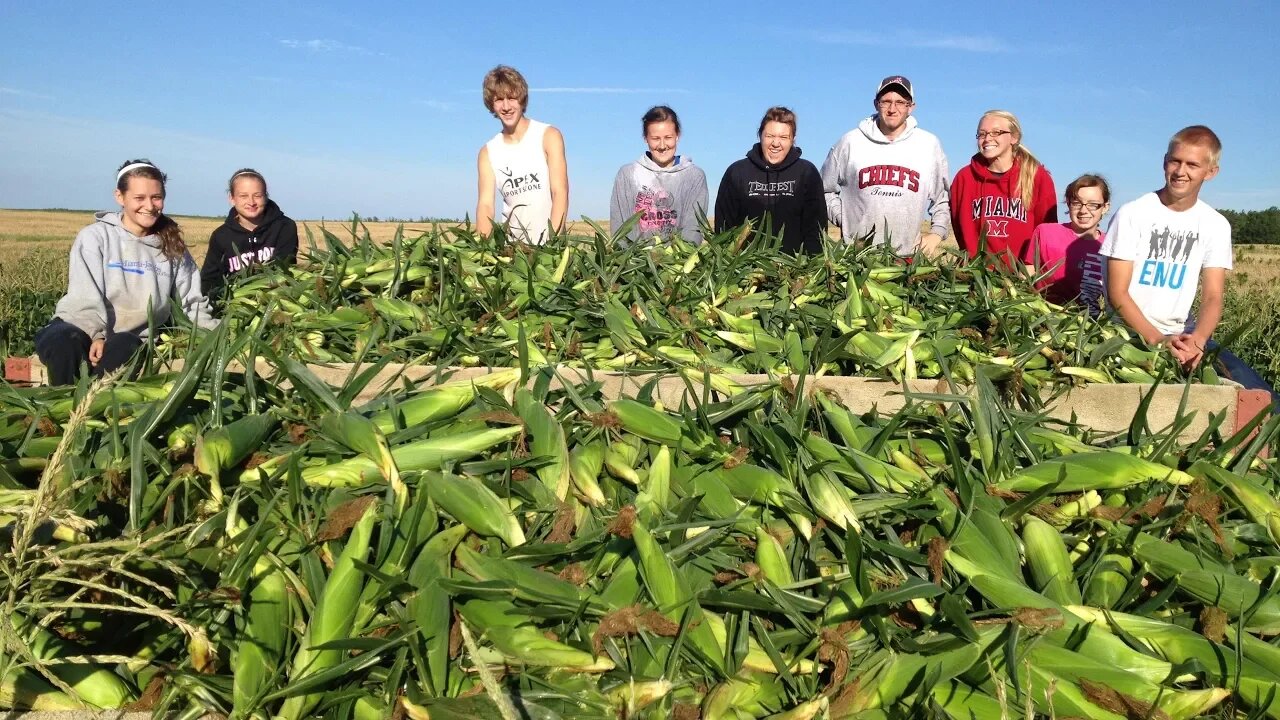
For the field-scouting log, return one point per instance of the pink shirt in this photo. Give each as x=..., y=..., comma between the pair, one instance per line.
x=1057, y=246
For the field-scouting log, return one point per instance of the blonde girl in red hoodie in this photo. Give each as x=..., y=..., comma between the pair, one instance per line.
x=1003, y=193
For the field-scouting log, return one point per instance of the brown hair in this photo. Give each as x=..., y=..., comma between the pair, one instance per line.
x=249, y=173
x=1088, y=180
x=505, y=81
x=1027, y=175
x=657, y=114
x=1198, y=135
x=777, y=114
x=171, y=242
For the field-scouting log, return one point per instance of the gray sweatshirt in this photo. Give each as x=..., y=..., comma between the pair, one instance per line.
x=114, y=277
x=873, y=183
x=669, y=199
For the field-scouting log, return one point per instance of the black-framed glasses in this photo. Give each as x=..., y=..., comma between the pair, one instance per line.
x=994, y=134
x=1091, y=207
x=900, y=104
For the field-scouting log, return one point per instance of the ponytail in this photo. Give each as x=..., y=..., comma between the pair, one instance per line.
x=1027, y=175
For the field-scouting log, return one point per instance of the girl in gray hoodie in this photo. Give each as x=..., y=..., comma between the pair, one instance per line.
x=666, y=189
x=126, y=270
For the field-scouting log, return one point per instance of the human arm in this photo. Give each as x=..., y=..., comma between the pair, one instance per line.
x=558, y=169
x=728, y=213
x=1045, y=199
x=213, y=273
x=1213, y=283
x=1119, y=276
x=286, y=252
x=699, y=199
x=814, y=223
x=83, y=305
x=939, y=205
x=484, y=194
x=187, y=290
x=833, y=169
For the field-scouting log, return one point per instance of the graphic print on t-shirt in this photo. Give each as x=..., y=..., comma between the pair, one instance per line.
x=888, y=180
x=782, y=188
x=996, y=210
x=1167, y=254
x=512, y=185
x=1091, y=281
x=657, y=208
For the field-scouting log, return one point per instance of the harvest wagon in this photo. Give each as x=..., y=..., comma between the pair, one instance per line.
x=727, y=524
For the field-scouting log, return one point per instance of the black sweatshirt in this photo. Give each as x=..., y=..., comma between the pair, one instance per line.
x=790, y=192
x=233, y=249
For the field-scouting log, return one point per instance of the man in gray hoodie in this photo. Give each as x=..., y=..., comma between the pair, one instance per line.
x=884, y=176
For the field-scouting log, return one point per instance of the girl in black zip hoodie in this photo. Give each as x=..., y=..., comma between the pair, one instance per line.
x=256, y=232
x=773, y=180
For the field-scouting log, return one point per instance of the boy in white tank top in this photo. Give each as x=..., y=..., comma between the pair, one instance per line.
x=524, y=164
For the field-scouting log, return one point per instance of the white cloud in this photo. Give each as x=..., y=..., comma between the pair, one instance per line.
x=608, y=90
x=918, y=40
x=322, y=45
x=24, y=93
x=441, y=105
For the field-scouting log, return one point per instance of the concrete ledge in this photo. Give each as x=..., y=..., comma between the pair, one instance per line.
x=1106, y=408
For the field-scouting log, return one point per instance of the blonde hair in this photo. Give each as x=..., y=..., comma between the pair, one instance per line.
x=1198, y=135
x=505, y=81
x=1030, y=165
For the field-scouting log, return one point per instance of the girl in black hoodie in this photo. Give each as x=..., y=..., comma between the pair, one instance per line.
x=773, y=180
x=256, y=232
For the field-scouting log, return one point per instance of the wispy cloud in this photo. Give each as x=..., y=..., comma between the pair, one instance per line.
x=24, y=93
x=441, y=105
x=917, y=40
x=608, y=90
x=322, y=45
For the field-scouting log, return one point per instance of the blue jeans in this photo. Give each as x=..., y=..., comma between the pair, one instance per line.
x=1237, y=370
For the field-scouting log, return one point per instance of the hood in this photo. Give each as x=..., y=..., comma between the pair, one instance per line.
x=756, y=156
x=871, y=129
x=1006, y=181
x=682, y=162
x=115, y=225
x=270, y=214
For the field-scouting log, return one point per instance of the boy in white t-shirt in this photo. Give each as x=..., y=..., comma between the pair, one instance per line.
x=1162, y=245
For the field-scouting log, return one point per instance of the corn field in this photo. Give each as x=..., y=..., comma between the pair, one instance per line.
x=256, y=543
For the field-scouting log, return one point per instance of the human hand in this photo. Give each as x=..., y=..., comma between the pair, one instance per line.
x=95, y=351
x=931, y=245
x=1188, y=349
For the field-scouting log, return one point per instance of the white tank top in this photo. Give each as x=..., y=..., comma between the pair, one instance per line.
x=522, y=179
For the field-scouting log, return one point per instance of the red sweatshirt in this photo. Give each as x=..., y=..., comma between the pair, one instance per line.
x=982, y=201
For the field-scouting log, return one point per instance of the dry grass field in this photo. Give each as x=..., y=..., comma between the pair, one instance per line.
x=25, y=231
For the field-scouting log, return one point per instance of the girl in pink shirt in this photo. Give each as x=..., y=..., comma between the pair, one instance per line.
x=1068, y=251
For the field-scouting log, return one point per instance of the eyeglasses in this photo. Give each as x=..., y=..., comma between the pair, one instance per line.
x=898, y=104
x=994, y=134
x=1091, y=207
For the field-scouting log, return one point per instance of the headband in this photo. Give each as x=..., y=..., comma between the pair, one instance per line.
x=134, y=166
x=254, y=173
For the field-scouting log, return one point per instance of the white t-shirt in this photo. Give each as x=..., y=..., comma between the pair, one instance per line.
x=1168, y=249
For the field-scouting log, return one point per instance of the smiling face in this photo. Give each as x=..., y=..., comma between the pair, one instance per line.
x=249, y=198
x=776, y=140
x=509, y=111
x=1086, y=209
x=662, y=138
x=996, y=141
x=893, y=108
x=1186, y=168
x=141, y=204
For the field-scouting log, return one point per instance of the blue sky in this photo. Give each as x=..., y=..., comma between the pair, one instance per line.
x=375, y=107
